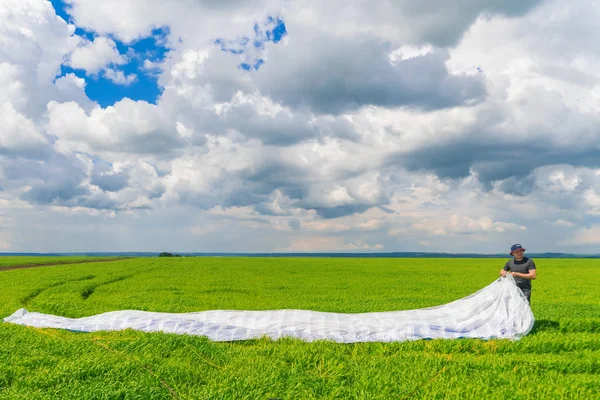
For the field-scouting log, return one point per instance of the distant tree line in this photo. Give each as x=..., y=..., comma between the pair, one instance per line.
x=165, y=254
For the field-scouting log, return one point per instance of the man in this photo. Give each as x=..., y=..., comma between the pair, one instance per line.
x=521, y=268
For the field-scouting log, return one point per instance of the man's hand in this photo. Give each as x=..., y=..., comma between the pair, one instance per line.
x=503, y=272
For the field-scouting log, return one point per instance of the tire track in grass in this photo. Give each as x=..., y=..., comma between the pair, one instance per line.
x=36, y=292
x=58, y=263
x=85, y=293
x=90, y=289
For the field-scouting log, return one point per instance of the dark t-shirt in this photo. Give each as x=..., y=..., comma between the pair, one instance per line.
x=523, y=267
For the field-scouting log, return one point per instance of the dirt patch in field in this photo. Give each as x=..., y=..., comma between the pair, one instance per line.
x=11, y=267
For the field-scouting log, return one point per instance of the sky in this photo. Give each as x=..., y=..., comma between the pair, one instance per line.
x=281, y=126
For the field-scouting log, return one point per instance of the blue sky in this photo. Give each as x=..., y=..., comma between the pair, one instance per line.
x=154, y=49
x=103, y=90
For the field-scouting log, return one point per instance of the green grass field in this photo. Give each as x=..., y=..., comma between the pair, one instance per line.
x=559, y=359
x=6, y=261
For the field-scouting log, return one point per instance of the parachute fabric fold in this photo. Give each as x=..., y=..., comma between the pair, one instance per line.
x=499, y=310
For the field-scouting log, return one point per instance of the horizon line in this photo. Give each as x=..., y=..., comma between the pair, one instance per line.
x=349, y=253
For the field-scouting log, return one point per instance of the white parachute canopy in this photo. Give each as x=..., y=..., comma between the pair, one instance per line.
x=499, y=310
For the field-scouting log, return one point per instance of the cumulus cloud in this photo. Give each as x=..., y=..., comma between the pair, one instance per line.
x=93, y=56
x=19, y=135
x=457, y=224
x=432, y=21
x=327, y=74
x=506, y=143
x=315, y=244
x=57, y=180
x=119, y=77
x=128, y=126
x=34, y=45
x=134, y=19
x=109, y=179
x=585, y=237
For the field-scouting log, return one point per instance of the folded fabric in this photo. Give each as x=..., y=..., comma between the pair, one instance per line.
x=499, y=310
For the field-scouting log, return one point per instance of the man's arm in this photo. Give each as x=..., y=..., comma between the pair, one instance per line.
x=529, y=276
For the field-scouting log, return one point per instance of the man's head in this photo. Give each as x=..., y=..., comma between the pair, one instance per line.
x=517, y=250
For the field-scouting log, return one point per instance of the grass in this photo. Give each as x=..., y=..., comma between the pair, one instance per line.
x=7, y=261
x=559, y=359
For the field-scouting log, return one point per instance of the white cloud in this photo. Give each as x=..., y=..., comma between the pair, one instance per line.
x=592, y=200
x=585, y=237
x=399, y=21
x=13, y=89
x=338, y=197
x=128, y=126
x=96, y=55
x=119, y=77
x=370, y=224
x=315, y=151
x=562, y=222
x=465, y=225
x=407, y=52
x=6, y=225
x=246, y=212
x=34, y=43
x=325, y=226
x=18, y=134
x=315, y=244
x=135, y=18
x=150, y=65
